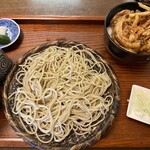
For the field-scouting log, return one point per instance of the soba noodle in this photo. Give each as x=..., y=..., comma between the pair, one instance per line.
x=62, y=90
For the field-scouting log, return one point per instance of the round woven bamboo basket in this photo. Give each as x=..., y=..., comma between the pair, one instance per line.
x=72, y=141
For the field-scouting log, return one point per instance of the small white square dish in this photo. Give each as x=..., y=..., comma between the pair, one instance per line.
x=139, y=104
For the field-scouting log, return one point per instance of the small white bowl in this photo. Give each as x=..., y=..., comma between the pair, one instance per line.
x=13, y=30
x=139, y=104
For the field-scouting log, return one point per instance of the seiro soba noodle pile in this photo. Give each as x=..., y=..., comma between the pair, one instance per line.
x=61, y=91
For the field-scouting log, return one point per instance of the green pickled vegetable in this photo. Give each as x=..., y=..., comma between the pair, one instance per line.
x=4, y=39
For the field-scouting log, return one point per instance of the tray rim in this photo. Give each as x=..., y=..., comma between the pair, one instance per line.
x=55, y=17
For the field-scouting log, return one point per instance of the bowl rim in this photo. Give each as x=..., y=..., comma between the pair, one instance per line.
x=108, y=35
x=18, y=27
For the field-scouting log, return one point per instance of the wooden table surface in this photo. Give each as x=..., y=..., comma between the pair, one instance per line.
x=48, y=20
x=58, y=7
